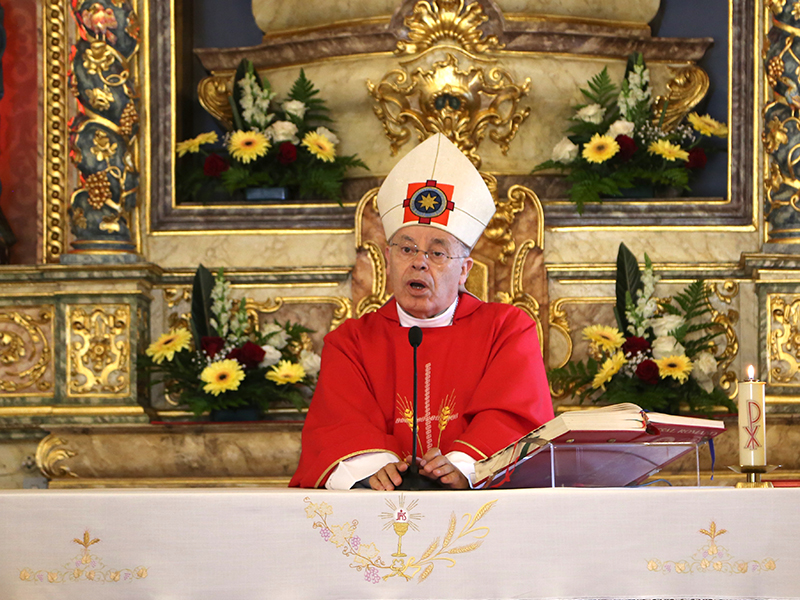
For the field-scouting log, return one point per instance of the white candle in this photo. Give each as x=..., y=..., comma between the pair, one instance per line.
x=752, y=438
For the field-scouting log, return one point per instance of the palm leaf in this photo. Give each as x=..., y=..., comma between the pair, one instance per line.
x=629, y=282
x=201, y=305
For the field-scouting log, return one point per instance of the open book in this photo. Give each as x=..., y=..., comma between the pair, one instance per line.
x=604, y=447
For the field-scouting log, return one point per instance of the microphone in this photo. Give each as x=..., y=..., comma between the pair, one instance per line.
x=412, y=480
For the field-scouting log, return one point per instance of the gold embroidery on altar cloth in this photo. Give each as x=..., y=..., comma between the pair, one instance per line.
x=398, y=561
x=83, y=567
x=712, y=558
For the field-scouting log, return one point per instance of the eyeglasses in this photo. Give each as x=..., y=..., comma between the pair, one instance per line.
x=408, y=252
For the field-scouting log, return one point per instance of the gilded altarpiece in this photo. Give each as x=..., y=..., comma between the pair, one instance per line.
x=393, y=94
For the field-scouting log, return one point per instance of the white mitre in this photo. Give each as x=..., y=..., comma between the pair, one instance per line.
x=436, y=185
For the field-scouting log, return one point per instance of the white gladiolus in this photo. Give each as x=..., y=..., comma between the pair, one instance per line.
x=294, y=108
x=564, y=151
x=310, y=361
x=666, y=346
x=704, y=366
x=593, y=113
x=620, y=127
x=283, y=131
x=271, y=356
x=662, y=326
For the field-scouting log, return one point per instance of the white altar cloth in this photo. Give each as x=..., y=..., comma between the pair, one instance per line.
x=242, y=544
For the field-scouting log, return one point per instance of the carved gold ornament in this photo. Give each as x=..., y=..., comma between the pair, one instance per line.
x=54, y=127
x=213, y=92
x=459, y=104
x=726, y=292
x=98, y=359
x=783, y=339
x=775, y=136
x=49, y=453
x=499, y=228
x=342, y=309
x=685, y=90
x=102, y=148
x=26, y=354
x=437, y=21
x=99, y=58
x=100, y=99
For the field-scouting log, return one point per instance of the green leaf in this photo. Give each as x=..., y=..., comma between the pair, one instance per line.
x=304, y=91
x=201, y=304
x=629, y=281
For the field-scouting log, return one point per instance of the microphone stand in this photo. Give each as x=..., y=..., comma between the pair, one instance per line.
x=412, y=480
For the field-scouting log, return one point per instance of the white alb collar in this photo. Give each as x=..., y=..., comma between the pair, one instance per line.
x=441, y=320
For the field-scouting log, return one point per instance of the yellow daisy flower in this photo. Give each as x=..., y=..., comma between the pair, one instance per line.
x=168, y=344
x=246, y=146
x=600, y=148
x=610, y=368
x=677, y=367
x=319, y=146
x=193, y=145
x=286, y=372
x=668, y=150
x=222, y=376
x=605, y=337
x=708, y=126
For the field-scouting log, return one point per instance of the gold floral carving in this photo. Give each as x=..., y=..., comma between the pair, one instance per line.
x=783, y=339
x=98, y=358
x=55, y=133
x=711, y=558
x=49, y=453
x=213, y=93
x=685, y=90
x=26, y=355
x=343, y=308
x=518, y=296
x=459, y=104
x=726, y=291
x=499, y=227
x=441, y=21
x=400, y=519
x=85, y=567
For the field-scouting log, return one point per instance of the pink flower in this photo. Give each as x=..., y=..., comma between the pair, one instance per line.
x=99, y=21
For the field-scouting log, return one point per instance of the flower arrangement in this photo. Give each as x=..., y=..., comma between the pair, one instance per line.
x=224, y=363
x=661, y=355
x=274, y=143
x=617, y=140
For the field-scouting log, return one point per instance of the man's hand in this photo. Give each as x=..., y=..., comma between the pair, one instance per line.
x=436, y=465
x=388, y=477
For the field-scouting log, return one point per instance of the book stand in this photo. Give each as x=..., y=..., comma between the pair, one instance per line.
x=593, y=465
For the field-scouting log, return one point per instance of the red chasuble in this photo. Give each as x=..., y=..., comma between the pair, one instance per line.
x=481, y=385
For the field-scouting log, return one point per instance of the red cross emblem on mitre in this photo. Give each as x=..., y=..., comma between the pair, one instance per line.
x=428, y=202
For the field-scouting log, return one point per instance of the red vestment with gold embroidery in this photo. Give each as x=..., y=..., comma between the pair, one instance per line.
x=481, y=386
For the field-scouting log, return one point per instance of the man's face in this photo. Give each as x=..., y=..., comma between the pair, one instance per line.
x=421, y=287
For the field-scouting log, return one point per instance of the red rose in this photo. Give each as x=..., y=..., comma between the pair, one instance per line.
x=647, y=371
x=249, y=355
x=215, y=165
x=287, y=153
x=697, y=159
x=635, y=345
x=627, y=147
x=212, y=344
